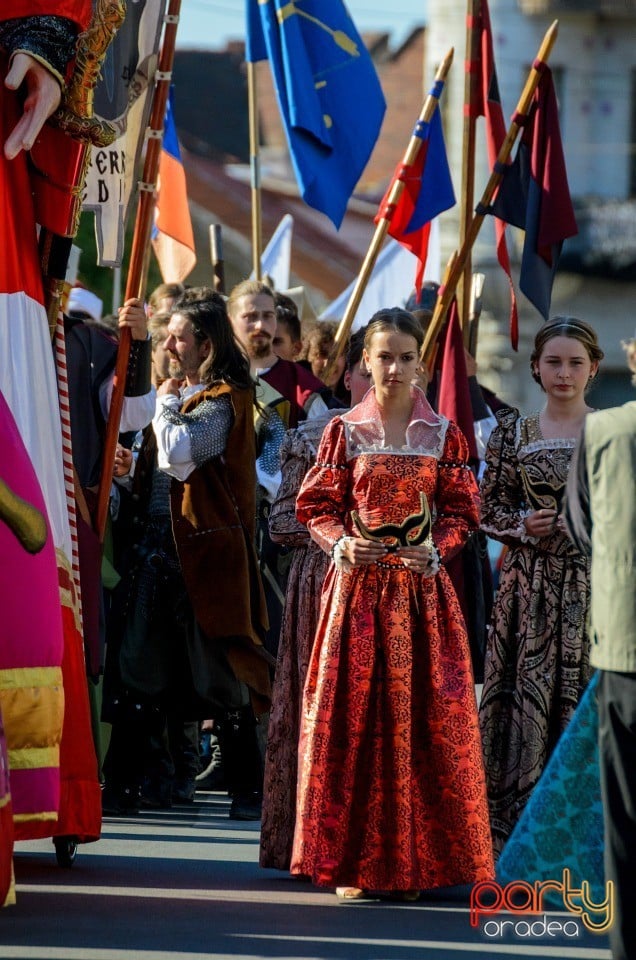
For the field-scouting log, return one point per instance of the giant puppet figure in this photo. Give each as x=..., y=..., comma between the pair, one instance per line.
x=39, y=639
x=31, y=676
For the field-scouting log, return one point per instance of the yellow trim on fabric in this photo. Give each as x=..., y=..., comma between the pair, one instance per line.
x=5, y=801
x=69, y=598
x=33, y=758
x=10, y=897
x=33, y=716
x=29, y=817
x=30, y=677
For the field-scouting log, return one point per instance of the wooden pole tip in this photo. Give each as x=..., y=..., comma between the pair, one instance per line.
x=445, y=64
x=549, y=40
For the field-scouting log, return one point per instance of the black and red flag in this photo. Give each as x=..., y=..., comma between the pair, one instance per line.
x=534, y=195
x=487, y=102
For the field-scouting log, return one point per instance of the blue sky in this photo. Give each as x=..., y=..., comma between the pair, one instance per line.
x=211, y=23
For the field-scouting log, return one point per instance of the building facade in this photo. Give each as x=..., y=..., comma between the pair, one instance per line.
x=594, y=67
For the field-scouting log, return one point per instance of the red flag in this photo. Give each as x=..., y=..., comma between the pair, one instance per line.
x=453, y=397
x=173, y=239
x=428, y=191
x=488, y=105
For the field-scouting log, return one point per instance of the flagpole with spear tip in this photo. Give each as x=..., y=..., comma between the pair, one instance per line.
x=447, y=291
x=216, y=257
x=255, y=171
x=412, y=150
x=476, y=291
x=468, y=160
x=138, y=267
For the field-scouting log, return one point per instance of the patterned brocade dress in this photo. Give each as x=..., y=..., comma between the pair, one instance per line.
x=537, y=657
x=391, y=792
x=302, y=605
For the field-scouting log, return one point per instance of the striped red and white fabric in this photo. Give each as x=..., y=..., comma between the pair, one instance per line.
x=67, y=452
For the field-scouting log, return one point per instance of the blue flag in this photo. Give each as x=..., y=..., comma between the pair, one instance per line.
x=328, y=92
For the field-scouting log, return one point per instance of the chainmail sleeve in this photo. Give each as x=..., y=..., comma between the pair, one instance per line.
x=207, y=426
x=269, y=438
x=185, y=441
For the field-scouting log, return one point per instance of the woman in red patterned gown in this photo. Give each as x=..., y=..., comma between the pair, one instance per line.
x=391, y=793
x=307, y=572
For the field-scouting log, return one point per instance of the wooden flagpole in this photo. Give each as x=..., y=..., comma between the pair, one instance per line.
x=447, y=291
x=468, y=159
x=476, y=291
x=138, y=267
x=216, y=257
x=255, y=171
x=412, y=150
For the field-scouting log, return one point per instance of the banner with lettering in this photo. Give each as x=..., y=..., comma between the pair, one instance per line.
x=123, y=96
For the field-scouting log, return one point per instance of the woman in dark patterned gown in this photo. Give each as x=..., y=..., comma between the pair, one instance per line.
x=302, y=604
x=391, y=792
x=537, y=657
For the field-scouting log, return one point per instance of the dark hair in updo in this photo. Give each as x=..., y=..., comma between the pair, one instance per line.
x=396, y=319
x=565, y=327
x=287, y=314
x=355, y=347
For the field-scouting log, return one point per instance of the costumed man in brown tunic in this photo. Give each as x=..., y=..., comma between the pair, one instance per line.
x=204, y=649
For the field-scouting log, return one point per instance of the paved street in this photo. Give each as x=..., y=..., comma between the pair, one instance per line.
x=185, y=884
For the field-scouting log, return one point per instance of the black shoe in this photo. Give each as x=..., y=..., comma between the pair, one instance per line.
x=246, y=807
x=156, y=796
x=120, y=801
x=183, y=791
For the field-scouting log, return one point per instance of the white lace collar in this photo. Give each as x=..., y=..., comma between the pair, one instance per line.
x=364, y=430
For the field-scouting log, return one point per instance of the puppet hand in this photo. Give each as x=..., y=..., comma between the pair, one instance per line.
x=43, y=98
